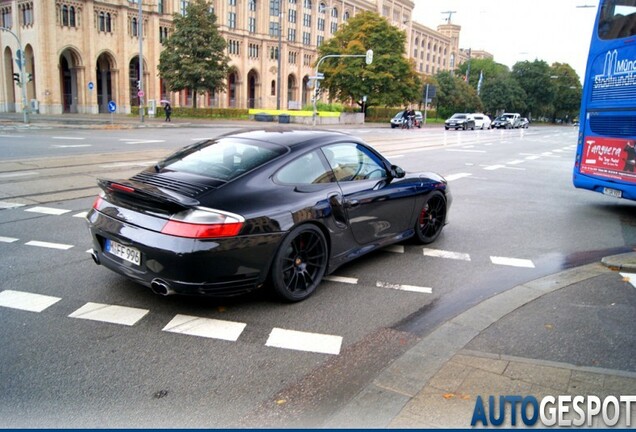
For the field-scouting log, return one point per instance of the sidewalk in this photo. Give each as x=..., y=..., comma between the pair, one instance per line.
x=571, y=333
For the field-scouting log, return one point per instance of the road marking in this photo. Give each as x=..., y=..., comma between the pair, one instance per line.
x=26, y=301
x=42, y=244
x=532, y=157
x=140, y=141
x=8, y=205
x=205, y=327
x=128, y=164
x=69, y=138
x=494, y=167
x=11, y=136
x=514, y=262
x=110, y=313
x=399, y=287
x=457, y=176
x=516, y=162
x=446, y=254
x=466, y=151
x=8, y=240
x=47, y=210
x=630, y=277
x=71, y=145
x=19, y=174
x=303, y=341
x=81, y=215
x=341, y=279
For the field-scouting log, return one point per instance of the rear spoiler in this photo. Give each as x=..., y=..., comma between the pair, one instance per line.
x=145, y=191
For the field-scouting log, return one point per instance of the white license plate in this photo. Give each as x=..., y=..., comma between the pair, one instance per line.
x=126, y=253
x=613, y=192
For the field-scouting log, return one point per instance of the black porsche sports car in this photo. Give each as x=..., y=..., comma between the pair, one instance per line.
x=273, y=207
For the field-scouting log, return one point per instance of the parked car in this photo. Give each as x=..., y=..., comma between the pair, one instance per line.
x=482, y=121
x=396, y=121
x=277, y=208
x=524, y=123
x=460, y=121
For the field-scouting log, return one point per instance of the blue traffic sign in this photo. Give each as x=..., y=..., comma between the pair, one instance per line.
x=112, y=106
x=91, y=86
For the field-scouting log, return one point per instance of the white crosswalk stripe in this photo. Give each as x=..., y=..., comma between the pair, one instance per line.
x=26, y=301
x=49, y=245
x=446, y=254
x=110, y=313
x=205, y=327
x=513, y=262
x=47, y=210
x=303, y=341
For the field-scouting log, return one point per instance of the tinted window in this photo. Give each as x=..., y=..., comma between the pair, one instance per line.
x=224, y=159
x=307, y=169
x=351, y=162
x=618, y=19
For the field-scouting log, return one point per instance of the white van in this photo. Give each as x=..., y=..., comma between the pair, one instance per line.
x=482, y=121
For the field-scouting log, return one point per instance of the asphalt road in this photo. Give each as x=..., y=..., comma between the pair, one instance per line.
x=515, y=217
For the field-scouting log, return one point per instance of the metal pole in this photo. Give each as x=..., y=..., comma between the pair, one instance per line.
x=426, y=104
x=141, y=62
x=280, y=52
x=22, y=83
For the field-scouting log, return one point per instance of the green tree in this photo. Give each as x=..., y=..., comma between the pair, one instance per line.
x=194, y=55
x=455, y=95
x=488, y=67
x=568, y=91
x=534, y=79
x=389, y=81
x=502, y=94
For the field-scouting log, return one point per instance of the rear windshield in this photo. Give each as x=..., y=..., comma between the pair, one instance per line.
x=459, y=116
x=618, y=19
x=222, y=159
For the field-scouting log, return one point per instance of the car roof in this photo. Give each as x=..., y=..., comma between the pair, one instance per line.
x=287, y=137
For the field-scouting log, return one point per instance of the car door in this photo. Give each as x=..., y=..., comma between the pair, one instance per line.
x=376, y=207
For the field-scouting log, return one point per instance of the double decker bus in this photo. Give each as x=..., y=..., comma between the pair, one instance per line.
x=605, y=156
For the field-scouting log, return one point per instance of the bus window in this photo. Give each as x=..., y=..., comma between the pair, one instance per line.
x=618, y=20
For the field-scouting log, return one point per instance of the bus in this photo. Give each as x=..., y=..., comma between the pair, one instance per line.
x=605, y=155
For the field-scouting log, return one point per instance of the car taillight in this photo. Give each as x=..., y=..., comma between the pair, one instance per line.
x=98, y=201
x=203, y=223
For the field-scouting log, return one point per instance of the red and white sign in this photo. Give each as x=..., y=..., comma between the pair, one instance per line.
x=609, y=157
x=140, y=93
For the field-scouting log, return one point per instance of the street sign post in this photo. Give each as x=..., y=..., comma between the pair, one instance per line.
x=112, y=107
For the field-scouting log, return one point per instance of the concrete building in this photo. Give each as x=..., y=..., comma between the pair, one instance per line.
x=82, y=54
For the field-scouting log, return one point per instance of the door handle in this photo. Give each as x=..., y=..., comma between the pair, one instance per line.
x=352, y=203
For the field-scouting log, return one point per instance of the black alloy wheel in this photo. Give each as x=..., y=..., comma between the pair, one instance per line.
x=300, y=263
x=431, y=219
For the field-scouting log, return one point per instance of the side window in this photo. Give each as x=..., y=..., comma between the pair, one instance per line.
x=307, y=169
x=352, y=162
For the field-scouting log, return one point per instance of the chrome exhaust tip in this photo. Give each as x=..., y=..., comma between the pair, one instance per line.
x=95, y=257
x=160, y=287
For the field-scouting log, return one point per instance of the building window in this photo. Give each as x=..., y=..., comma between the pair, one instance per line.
x=291, y=16
x=6, y=17
x=273, y=28
x=184, y=6
x=293, y=56
x=291, y=35
x=253, y=51
x=273, y=53
x=160, y=6
x=134, y=28
x=321, y=24
x=231, y=20
x=251, y=24
x=307, y=20
x=231, y=2
x=273, y=92
x=334, y=27
x=233, y=47
x=306, y=38
x=345, y=17
x=26, y=10
x=320, y=40
x=307, y=4
x=163, y=34
x=292, y=2
x=252, y=5
x=274, y=7
x=307, y=60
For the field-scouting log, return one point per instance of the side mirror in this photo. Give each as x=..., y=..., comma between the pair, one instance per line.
x=397, y=172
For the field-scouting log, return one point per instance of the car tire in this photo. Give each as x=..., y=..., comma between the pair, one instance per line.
x=299, y=263
x=446, y=127
x=431, y=219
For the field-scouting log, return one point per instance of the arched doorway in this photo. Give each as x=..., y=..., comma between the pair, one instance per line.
x=10, y=84
x=30, y=69
x=104, y=77
x=292, y=89
x=69, y=64
x=232, y=80
x=252, y=84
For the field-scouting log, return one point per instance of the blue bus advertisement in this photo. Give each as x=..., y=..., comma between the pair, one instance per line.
x=606, y=157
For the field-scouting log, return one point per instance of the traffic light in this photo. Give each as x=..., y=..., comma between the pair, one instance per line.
x=317, y=92
x=16, y=78
x=29, y=77
x=138, y=84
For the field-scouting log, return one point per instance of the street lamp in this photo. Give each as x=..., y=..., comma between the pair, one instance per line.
x=141, y=63
x=22, y=65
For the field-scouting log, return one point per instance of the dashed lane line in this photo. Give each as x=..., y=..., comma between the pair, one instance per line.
x=303, y=341
x=47, y=210
x=341, y=279
x=18, y=174
x=513, y=262
x=49, y=245
x=446, y=254
x=8, y=239
x=9, y=205
x=399, y=287
x=205, y=327
x=26, y=301
x=110, y=313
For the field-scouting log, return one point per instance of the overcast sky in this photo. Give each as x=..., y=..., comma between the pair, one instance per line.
x=517, y=30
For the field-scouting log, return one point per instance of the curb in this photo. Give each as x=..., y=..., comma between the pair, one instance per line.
x=622, y=262
x=384, y=398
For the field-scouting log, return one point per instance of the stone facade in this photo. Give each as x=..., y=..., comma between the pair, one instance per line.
x=82, y=54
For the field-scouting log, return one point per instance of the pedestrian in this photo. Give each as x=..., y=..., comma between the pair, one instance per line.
x=168, y=111
x=630, y=158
